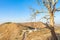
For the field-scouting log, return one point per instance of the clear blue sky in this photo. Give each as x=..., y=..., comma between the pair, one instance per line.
x=18, y=10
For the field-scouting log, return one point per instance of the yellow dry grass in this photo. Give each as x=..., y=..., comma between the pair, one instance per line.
x=13, y=31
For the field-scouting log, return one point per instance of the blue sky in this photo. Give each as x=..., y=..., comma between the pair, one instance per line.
x=18, y=10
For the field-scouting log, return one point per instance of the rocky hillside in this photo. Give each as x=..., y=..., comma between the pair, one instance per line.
x=23, y=31
x=35, y=24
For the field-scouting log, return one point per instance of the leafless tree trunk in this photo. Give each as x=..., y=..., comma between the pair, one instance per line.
x=54, y=37
x=52, y=27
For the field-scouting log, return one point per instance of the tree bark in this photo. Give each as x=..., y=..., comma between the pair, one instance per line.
x=52, y=19
x=54, y=37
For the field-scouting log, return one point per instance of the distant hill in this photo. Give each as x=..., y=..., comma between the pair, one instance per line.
x=35, y=24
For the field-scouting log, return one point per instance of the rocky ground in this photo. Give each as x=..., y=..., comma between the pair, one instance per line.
x=26, y=31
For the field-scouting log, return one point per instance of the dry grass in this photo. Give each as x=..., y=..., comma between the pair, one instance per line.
x=14, y=31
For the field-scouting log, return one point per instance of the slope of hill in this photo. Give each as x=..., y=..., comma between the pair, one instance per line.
x=35, y=24
x=8, y=31
x=14, y=31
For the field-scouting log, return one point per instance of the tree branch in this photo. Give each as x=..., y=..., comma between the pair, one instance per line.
x=54, y=6
x=58, y=9
x=47, y=3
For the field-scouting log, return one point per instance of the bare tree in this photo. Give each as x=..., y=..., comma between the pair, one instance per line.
x=51, y=7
